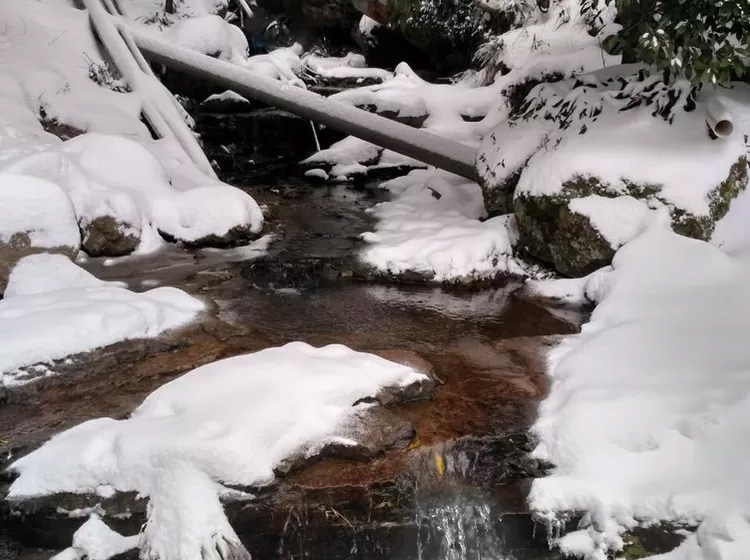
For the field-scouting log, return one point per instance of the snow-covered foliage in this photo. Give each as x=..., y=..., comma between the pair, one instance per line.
x=625, y=131
x=432, y=227
x=52, y=309
x=230, y=422
x=705, y=41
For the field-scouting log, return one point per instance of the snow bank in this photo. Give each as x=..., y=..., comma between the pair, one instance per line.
x=649, y=412
x=107, y=175
x=52, y=309
x=433, y=227
x=210, y=35
x=49, y=59
x=231, y=421
x=39, y=209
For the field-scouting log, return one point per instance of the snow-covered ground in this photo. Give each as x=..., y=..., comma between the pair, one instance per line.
x=53, y=71
x=52, y=309
x=647, y=418
x=230, y=422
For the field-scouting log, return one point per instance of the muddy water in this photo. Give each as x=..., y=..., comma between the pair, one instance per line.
x=456, y=493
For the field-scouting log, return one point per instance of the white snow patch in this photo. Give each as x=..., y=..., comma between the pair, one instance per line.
x=432, y=226
x=648, y=415
x=618, y=220
x=96, y=541
x=39, y=209
x=52, y=309
x=231, y=421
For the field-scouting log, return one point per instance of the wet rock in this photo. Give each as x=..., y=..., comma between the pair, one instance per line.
x=234, y=237
x=369, y=434
x=104, y=236
x=553, y=233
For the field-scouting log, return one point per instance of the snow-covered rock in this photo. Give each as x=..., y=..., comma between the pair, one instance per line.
x=52, y=308
x=648, y=417
x=227, y=423
x=124, y=197
x=432, y=231
x=631, y=139
x=35, y=216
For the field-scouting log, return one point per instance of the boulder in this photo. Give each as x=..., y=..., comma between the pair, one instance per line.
x=587, y=164
x=105, y=236
x=37, y=217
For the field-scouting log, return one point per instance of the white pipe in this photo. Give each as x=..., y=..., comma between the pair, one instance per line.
x=418, y=144
x=719, y=119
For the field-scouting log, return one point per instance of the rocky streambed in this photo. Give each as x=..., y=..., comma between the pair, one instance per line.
x=441, y=478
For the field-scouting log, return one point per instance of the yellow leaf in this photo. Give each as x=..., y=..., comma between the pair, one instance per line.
x=440, y=463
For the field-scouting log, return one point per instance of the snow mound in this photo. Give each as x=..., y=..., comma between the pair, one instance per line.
x=52, y=309
x=648, y=418
x=113, y=176
x=351, y=66
x=39, y=209
x=433, y=227
x=212, y=36
x=229, y=422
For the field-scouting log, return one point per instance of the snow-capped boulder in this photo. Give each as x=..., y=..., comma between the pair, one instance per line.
x=36, y=216
x=587, y=162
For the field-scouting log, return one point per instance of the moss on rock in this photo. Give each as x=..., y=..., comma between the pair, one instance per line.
x=551, y=232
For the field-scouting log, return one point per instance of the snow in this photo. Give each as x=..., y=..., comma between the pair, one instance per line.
x=53, y=309
x=618, y=219
x=349, y=66
x=557, y=43
x=116, y=169
x=228, y=422
x=433, y=226
x=229, y=96
x=96, y=541
x=39, y=209
x=210, y=35
x=663, y=368
x=107, y=175
x=604, y=128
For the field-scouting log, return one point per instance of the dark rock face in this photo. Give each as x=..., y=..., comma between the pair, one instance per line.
x=106, y=237
x=234, y=237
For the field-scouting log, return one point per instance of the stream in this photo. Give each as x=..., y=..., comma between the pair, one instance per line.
x=456, y=493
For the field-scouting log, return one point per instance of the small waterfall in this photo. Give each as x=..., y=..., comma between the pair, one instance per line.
x=458, y=531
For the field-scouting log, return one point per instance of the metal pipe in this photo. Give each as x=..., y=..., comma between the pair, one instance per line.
x=418, y=144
